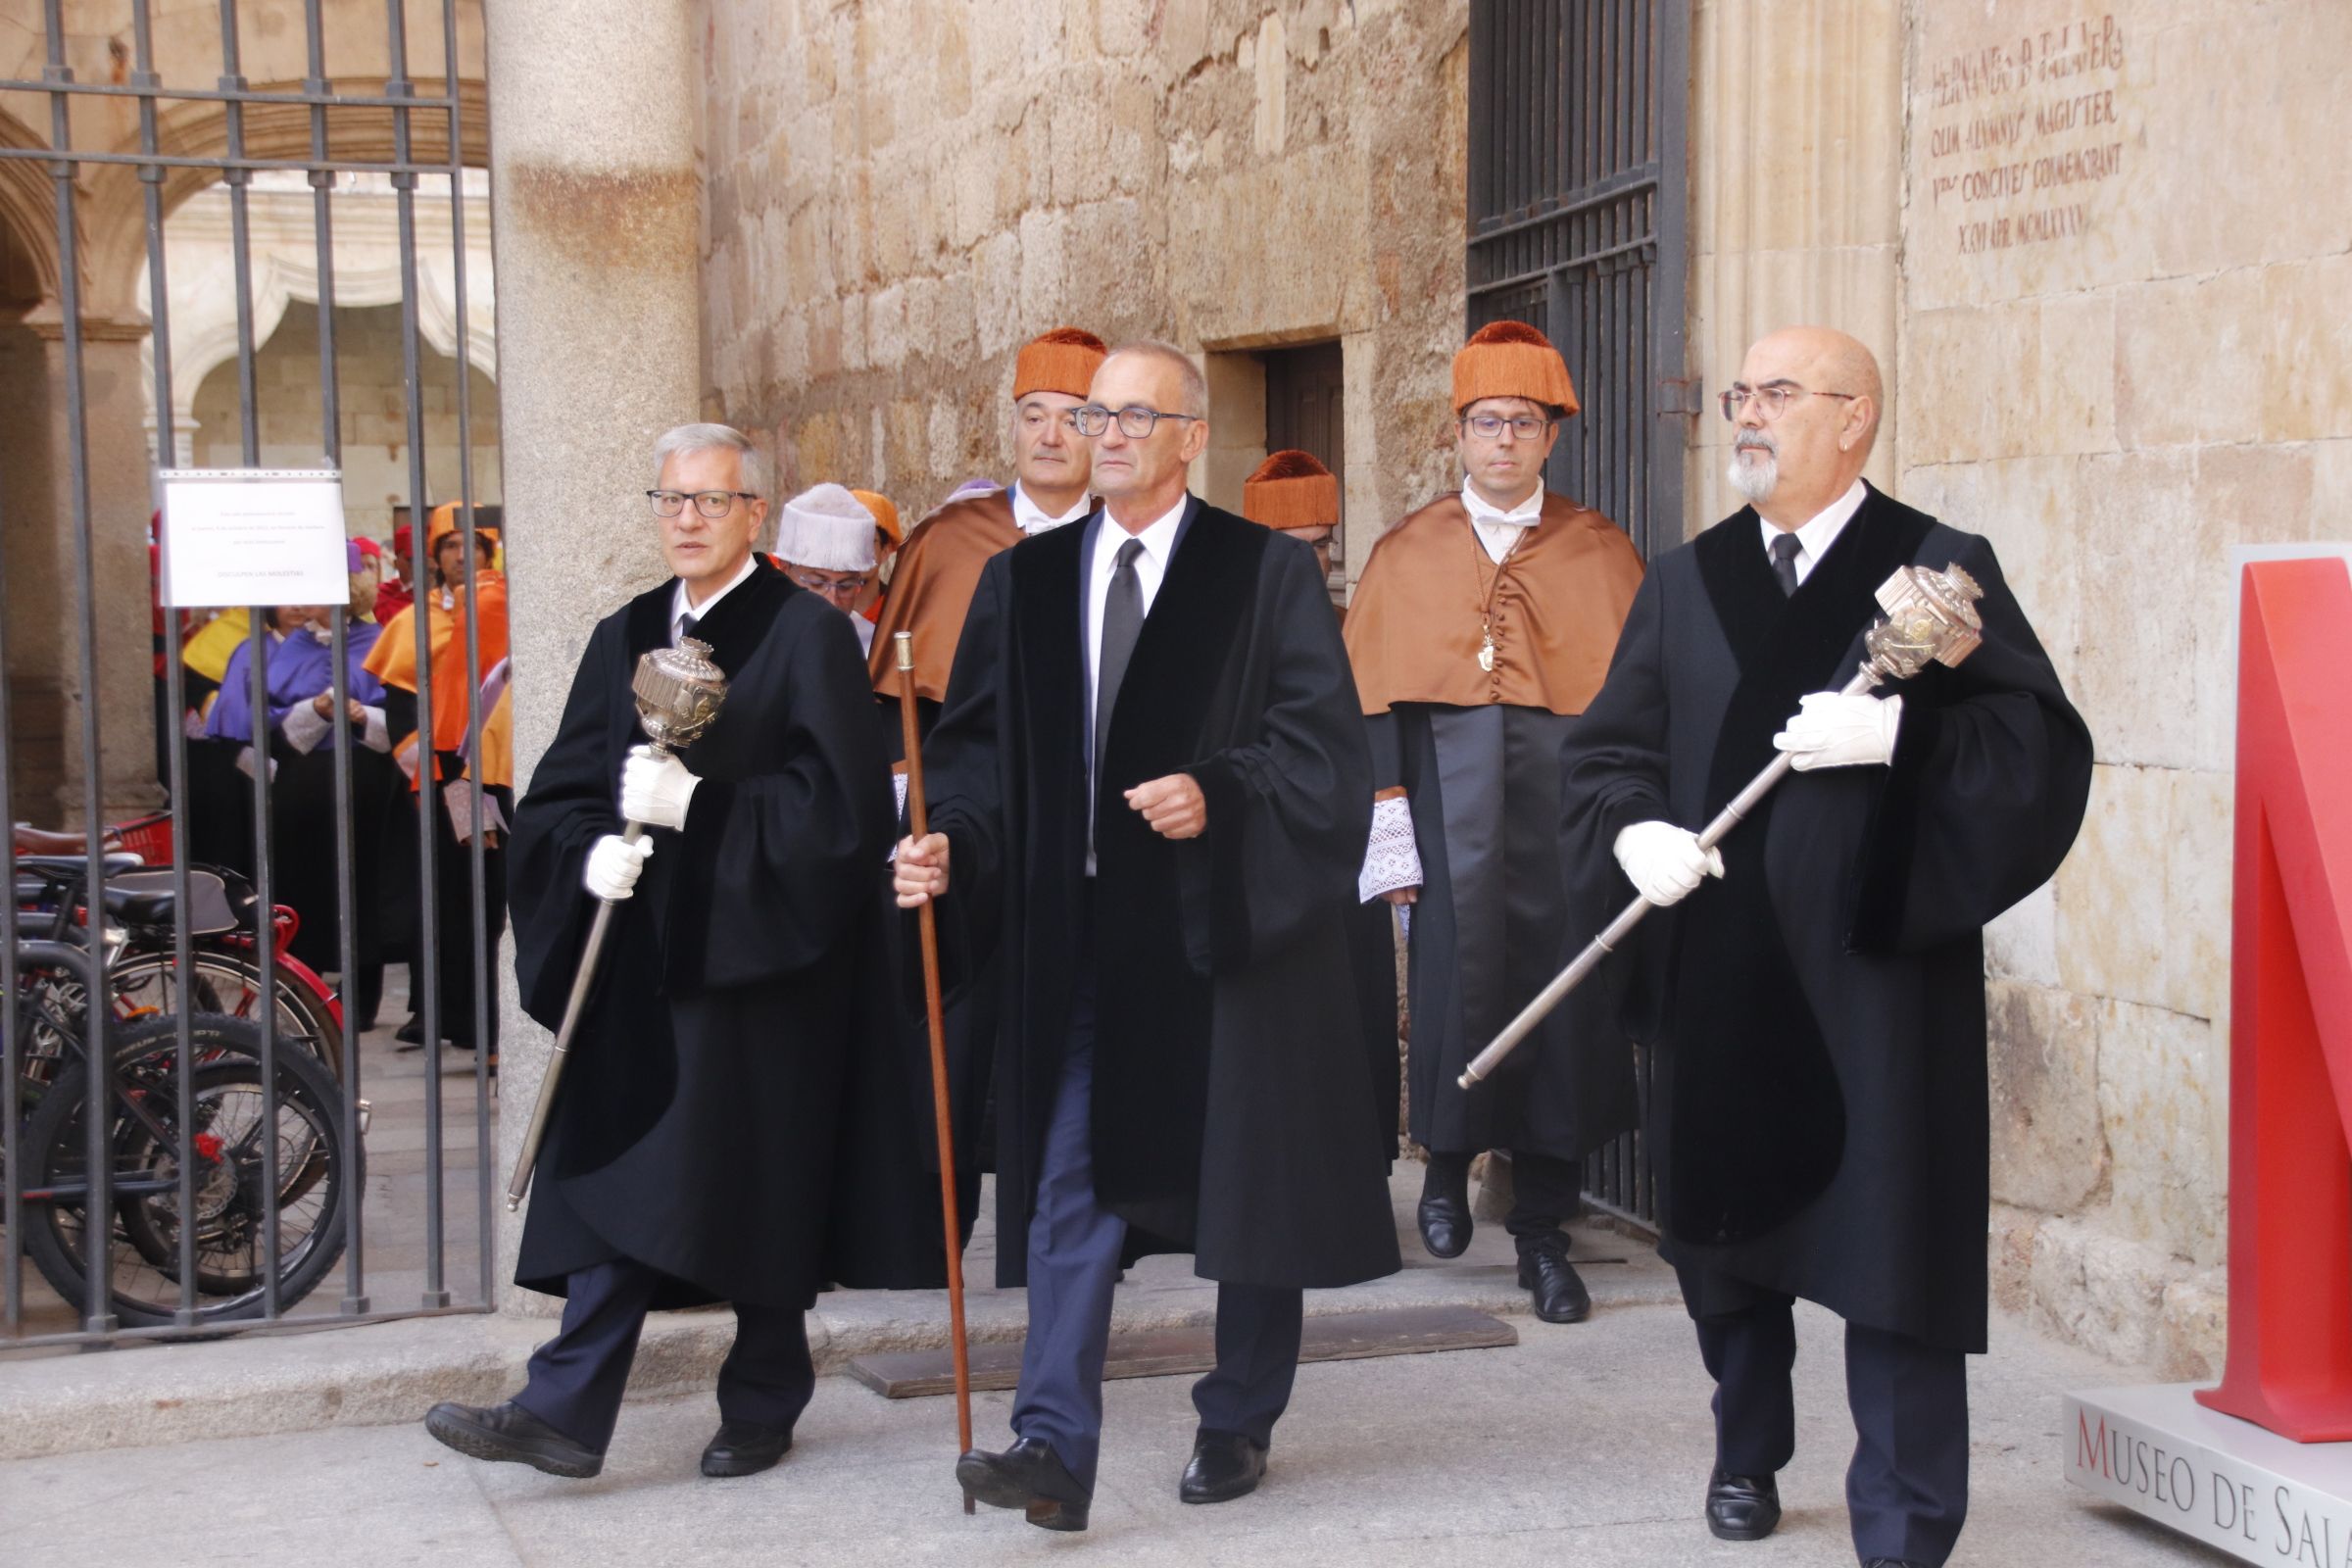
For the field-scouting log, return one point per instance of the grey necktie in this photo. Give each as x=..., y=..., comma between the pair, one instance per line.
x=1785, y=547
x=1122, y=621
x=686, y=625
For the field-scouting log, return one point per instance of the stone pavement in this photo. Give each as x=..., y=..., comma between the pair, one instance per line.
x=1585, y=1446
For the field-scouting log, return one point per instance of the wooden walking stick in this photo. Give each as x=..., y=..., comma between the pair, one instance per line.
x=918, y=818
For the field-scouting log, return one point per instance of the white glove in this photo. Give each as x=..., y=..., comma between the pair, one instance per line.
x=1833, y=731
x=614, y=866
x=1665, y=861
x=655, y=790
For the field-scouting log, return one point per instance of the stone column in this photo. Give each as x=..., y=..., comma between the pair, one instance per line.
x=46, y=625
x=597, y=208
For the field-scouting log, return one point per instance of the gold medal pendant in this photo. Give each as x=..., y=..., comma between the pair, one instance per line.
x=1486, y=656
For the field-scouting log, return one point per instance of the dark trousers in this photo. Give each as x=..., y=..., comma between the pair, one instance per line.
x=577, y=1378
x=1547, y=1192
x=1907, y=1488
x=1074, y=1250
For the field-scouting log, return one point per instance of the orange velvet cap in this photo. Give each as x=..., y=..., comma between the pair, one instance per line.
x=1511, y=359
x=1292, y=490
x=886, y=516
x=1063, y=361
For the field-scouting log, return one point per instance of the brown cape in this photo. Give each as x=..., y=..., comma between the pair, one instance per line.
x=1414, y=626
x=931, y=589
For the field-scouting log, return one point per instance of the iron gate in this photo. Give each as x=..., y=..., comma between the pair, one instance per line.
x=1578, y=186
x=174, y=1161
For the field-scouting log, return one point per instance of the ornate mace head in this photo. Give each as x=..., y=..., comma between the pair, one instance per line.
x=1930, y=618
x=678, y=692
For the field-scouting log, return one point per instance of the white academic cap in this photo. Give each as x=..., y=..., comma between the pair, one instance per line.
x=828, y=528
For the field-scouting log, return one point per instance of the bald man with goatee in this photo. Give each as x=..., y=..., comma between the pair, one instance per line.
x=1818, y=1118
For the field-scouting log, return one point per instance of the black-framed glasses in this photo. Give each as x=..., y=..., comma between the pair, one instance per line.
x=1489, y=427
x=1136, y=422
x=714, y=504
x=1773, y=398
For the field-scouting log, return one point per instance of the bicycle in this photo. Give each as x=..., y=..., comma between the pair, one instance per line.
x=235, y=1134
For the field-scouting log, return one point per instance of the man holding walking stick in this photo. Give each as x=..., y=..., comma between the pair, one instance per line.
x=1151, y=776
x=694, y=1140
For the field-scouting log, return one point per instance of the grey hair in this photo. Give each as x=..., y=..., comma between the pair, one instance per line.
x=1193, y=385
x=714, y=438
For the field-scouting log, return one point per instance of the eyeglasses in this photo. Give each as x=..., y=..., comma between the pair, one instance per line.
x=1488, y=427
x=712, y=504
x=1772, y=399
x=831, y=587
x=1136, y=422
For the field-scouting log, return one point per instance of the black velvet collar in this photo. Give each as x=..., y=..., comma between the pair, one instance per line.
x=733, y=630
x=1790, y=645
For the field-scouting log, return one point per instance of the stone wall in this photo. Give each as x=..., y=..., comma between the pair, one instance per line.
x=2124, y=346
x=902, y=192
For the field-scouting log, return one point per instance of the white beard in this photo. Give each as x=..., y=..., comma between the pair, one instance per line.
x=1754, y=479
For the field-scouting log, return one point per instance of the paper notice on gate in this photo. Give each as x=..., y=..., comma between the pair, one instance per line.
x=254, y=536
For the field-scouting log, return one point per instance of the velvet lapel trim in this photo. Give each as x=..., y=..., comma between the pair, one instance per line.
x=1790, y=645
x=1181, y=651
x=1050, y=607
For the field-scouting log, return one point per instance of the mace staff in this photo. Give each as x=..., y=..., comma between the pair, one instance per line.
x=678, y=692
x=918, y=821
x=1930, y=618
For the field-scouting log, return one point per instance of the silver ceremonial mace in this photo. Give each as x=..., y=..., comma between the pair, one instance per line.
x=1930, y=618
x=678, y=692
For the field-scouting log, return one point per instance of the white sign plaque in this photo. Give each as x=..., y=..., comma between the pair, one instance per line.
x=2227, y=1483
x=254, y=536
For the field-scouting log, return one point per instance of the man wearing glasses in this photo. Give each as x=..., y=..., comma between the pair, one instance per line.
x=1481, y=628
x=695, y=1154
x=1819, y=1111
x=1151, y=776
x=931, y=585
x=825, y=541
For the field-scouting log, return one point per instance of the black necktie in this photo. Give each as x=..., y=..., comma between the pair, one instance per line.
x=1785, y=547
x=686, y=625
x=1122, y=621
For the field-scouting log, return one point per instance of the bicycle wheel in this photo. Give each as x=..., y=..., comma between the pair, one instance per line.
x=316, y=1175
x=147, y=983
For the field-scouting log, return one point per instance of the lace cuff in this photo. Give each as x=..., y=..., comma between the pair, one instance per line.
x=1392, y=860
x=303, y=728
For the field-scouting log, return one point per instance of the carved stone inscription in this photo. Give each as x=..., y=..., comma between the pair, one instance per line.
x=2022, y=131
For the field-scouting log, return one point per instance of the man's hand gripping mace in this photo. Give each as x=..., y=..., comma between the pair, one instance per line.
x=1930, y=618
x=678, y=693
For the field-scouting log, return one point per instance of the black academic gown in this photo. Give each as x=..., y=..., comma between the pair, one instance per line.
x=1819, y=1119
x=715, y=1110
x=1233, y=1114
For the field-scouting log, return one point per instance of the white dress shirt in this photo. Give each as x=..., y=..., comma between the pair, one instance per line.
x=679, y=609
x=1499, y=530
x=1035, y=519
x=1814, y=539
x=1151, y=565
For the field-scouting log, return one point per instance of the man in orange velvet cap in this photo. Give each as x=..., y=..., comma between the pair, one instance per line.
x=1481, y=627
x=932, y=581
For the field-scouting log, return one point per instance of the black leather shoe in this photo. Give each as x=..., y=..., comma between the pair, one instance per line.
x=1029, y=1476
x=1743, y=1507
x=411, y=1035
x=509, y=1432
x=745, y=1449
x=1445, y=1210
x=1225, y=1465
x=1545, y=1273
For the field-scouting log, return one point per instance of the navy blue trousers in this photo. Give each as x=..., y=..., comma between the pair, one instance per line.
x=1907, y=1488
x=577, y=1378
x=1074, y=1249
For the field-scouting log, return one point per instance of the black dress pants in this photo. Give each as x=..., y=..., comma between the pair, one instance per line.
x=1906, y=1489
x=577, y=1378
x=1547, y=1192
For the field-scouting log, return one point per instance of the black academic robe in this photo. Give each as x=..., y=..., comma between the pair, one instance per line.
x=1819, y=1119
x=715, y=1108
x=1233, y=1114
